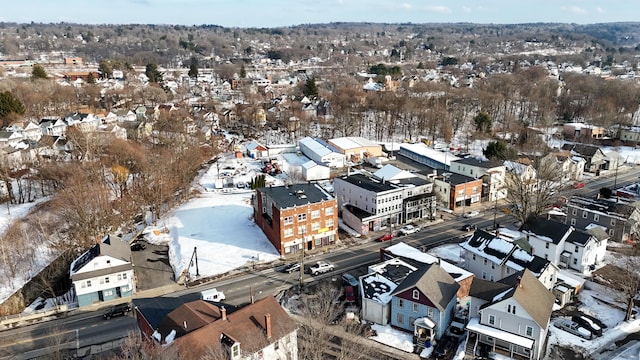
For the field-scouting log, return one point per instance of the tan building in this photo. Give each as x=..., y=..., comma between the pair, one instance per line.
x=356, y=149
x=296, y=216
x=580, y=131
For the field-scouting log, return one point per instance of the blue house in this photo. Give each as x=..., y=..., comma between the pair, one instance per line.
x=104, y=272
x=424, y=303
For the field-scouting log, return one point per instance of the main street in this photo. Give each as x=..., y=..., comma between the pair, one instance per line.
x=84, y=329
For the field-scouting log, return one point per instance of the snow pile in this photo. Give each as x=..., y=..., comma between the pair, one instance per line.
x=394, y=338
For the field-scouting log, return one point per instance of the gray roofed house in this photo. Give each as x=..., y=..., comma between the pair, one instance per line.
x=104, y=272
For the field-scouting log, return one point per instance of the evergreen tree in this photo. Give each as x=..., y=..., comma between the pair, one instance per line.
x=91, y=79
x=105, y=69
x=193, y=68
x=153, y=73
x=499, y=150
x=243, y=72
x=310, y=87
x=10, y=104
x=38, y=72
x=483, y=122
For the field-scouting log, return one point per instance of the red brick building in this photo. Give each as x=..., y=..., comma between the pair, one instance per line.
x=297, y=215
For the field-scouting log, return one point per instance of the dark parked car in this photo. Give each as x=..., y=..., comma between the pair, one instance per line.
x=291, y=268
x=587, y=323
x=117, y=310
x=469, y=227
x=444, y=347
x=349, y=279
x=138, y=246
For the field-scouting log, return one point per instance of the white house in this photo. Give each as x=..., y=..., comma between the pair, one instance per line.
x=104, y=272
x=492, y=174
x=566, y=247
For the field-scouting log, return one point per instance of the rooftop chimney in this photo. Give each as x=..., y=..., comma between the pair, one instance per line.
x=519, y=281
x=223, y=313
x=267, y=324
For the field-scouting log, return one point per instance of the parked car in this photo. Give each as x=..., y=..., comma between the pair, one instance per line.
x=117, y=310
x=469, y=227
x=471, y=214
x=349, y=279
x=444, y=347
x=386, y=237
x=456, y=328
x=573, y=328
x=291, y=267
x=138, y=246
x=587, y=323
x=577, y=185
x=321, y=267
x=349, y=294
x=409, y=229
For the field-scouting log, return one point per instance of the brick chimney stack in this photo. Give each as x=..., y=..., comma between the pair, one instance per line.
x=223, y=313
x=267, y=325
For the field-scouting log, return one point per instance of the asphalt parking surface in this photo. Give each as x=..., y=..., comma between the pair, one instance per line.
x=151, y=267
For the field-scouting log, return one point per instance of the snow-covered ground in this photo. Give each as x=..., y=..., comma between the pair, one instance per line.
x=218, y=222
x=392, y=337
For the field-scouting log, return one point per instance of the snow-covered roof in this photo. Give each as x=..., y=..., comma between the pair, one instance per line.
x=377, y=287
x=390, y=172
x=424, y=150
x=409, y=252
x=347, y=143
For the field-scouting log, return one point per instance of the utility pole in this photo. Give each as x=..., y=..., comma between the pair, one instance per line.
x=302, y=264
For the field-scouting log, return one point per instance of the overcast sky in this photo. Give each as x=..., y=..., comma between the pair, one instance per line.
x=272, y=13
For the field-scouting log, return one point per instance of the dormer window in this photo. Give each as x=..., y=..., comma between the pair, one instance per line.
x=416, y=295
x=235, y=350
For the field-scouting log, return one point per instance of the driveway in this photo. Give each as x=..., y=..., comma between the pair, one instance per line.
x=152, y=268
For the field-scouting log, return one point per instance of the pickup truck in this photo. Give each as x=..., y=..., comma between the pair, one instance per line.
x=212, y=295
x=321, y=267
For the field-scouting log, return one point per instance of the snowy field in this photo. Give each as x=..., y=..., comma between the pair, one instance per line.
x=218, y=222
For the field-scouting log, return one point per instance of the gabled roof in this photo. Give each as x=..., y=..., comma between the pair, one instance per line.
x=585, y=150
x=533, y=297
x=390, y=172
x=246, y=326
x=485, y=289
x=545, y=229
x=432, y=281
x=109, y=245
x=189, y=317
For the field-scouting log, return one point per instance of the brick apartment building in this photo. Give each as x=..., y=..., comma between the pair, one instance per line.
x=297, y=215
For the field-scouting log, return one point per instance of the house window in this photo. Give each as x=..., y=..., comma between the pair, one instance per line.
x=485, y=261
x=328, y=223
x=302, y=217
x=529, y=331
x=596, y=217
x=484, y=275
x=513, y=309
x=288, y=232
x=509, y=308
x=236, y=350
x=584, y=214
x=315, y=226
x=573, y=222
x=416, y=294
x=492, y=320
x=546, y=245
x=276, y=345
x=611, y=232
x=400, y=318
x=88, y=283
x=430, y=312
x=83, y=285
x=493, y=266
x=119, y=277
x=302, y=230
x=108, y=292
x=613, y=222
x=288, y=220
x=328, y=211
x=400, y=303
x=576, y=249
x=491, y=278
x=415, y=307
x=124, y=276
x=474, y=256
x=574, y=211
x=315, y=214
x=106, y=280
x=575, y=261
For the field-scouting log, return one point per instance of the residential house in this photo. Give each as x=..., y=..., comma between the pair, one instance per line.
x=492, y=174
x=322, y=153
x=197, y=327
x=619, y=218
x=571, y=167
x=53, y=127
x=125, y=115
x=371, y=203
x=10, y=139
x=582, y=132
x=356, y=149
x=378, y=284
x=425, y=155
x=594, y=158
x=522, y=172
x=565, y=246
x=630, y=134
x=104, y=272
x=296, y=217
x=86, y=122
x=32, y=131
x=418, y=258
x=424, y=304
x=510, y=320
x=457, y=191
x=494, y=257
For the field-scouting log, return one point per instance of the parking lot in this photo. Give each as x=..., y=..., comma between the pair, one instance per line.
x=151, y=267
